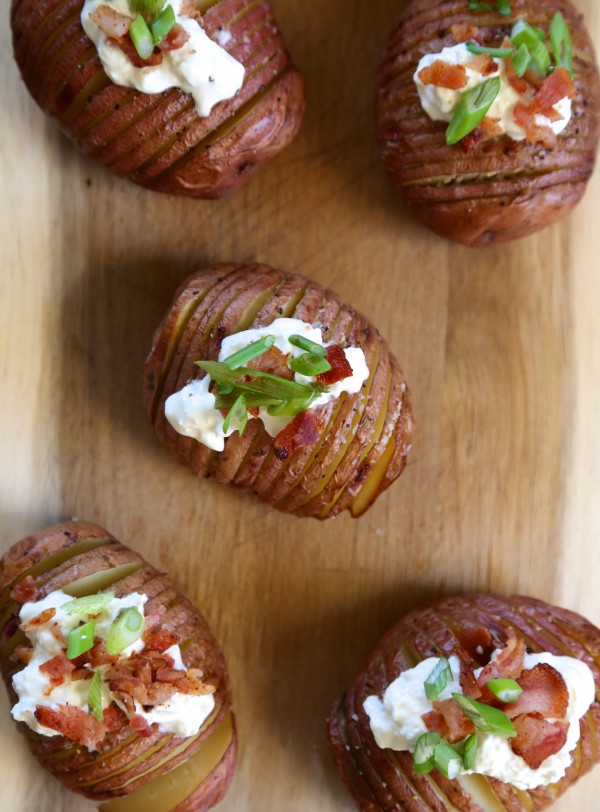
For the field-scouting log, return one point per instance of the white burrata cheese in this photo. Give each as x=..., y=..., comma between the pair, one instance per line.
x=201, y=67
x=396, y=721
x=440, y=103
x=191, y=411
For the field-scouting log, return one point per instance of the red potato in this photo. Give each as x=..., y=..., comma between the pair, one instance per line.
x=471, y=627
x=159, y=141
x=128, y=771
x=362, y=441
x=481, y=193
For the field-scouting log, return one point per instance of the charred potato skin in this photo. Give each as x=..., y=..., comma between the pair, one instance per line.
x=382, y=780
x=159, y=141
x=220, y=298
x=121, y=764
x=502, y=189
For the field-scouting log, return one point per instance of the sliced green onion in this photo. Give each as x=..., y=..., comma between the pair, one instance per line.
x=472, y=109
x=507, y=690
x=125, y=630
x=447, y=760
x=423, y=760
x=504, y=8
x=499, y=53
x=474, y=5
x=239, y=412
x=521, y=60
x=249, y=353
x=562, y=45
x=470, y=751
x=89, y=605
x=438, y=679
x=307, y=345
x=163, y=24
x=263, y=383
x=291, y=407
x=535, y=39
x=485, y=718
x=224, y=388
x=141, y=36
x=95, y=697
x=310, y=365
x=80, y=640
x=149, y=8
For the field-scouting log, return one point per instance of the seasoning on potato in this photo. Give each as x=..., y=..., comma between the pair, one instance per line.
x=472, y=703
x=265, y=381
x=487, y=115
x=187, y=97
x=114, y=677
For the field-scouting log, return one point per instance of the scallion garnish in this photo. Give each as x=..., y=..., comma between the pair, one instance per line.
x=271, y=387
x=470, y=751
x=125, y=630
x=249, y=353
x=438, y=679
x=290, y=408
x=535, y=39
x=562, y=45
x=161, y=27
x=95, y=697
x=521, y=60
x=447, y=760
x=89, y=605
x=423, y=759
x=504, y=8
x=307, y=345
x=310, y=365
x=149, y=8
x=499, y=53
x=507, y=690
x=475, y=5
x=238, y=412
x=472, y=109
x=485, y=718
x=141, y=36
x=80, y=640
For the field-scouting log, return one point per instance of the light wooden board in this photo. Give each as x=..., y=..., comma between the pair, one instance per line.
x=500, y=348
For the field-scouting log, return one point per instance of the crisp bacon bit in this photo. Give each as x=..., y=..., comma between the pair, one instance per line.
x=459, y=726
x=441, y=74
x=254, y=411
x=25, y=591
x=113, y=718
x=557, y=86
x=161, y=641
x=468, y=683
x=463, y=32
x=131, y=686
x=545, y=693
x=192, y=684
x=110, y=22
x=24, y=654
x=125, y=700
x=175, y=39
x=534, y=132
x=483, y=64
x=58, y=667
x=274, y=362
x=489, y=128
x=169, y=675
x=73, y=723
x=434, y=722
x=128, y=48
x=534, y=78
x=302, y=431
x=537, y=739
x=39, y=620
x=340, y=367
x=56, y=632
x=518, y=83
x=141, y=726
x=79, y=674
x=188, y=8
x=157, y=693
x=508, y=663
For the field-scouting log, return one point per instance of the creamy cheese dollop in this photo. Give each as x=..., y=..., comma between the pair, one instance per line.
x=191, y=411
x=440, y=103
x=201, y=67
x=183, y=715
x=396, y=720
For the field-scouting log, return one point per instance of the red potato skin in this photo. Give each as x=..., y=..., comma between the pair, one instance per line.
x=159, y=141
x=502, y=189
x=72, y=764
x=380, y=780
x=219, y=296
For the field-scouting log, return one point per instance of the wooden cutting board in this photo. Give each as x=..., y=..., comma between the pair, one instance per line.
x=499, y=346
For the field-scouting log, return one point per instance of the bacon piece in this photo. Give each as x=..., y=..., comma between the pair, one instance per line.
x=188, y=8
x=39, y=620
x=126, y=700
x=141, y=726
x=534, y=78
x=302, y=431
x=483, y=64
x=175, y=39
x=537, y=739
x=128, y=48
x=534, y=132
x=24, y=654
x=113, y=718
x=340, y=367
x=25, y=591
x=489, y=128
x=131, y=686
x=73, y=723
x=459, y=726
x=434, y=722
x=518, y=83
x=169, y=675
x=545, y=693
x=99, y=655
x=274, y=362
x=159, y=692
x=161, y=641
x=468, y=682
x=463, y=32
x=508, y=663
x=110, y=22
x=79, y=674
x=441, y=74
x=555, y=87
x=57, y=667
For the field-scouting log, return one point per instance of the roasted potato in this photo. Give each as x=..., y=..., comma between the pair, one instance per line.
x=159, y=140
x=470, y=628
x=361, y=441
x=130, y=772
x=483, y=190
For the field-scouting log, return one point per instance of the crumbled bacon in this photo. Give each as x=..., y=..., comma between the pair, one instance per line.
x=110, y=22
x=441, y=74
x=100, y=656
x=192, y=684
x=274, y=362
x=79, y=674
x=518, y=83
x=25, y=591
x=157, y=693
x=340, y=367
x=141, y=726
x=463, y=32
x=188, y=8
x=534, y=132
x=39, y=620
x=113, y=718
x=459, y=726
x=483, y=64
x=534, y=78
x=175, y=39
x=302, y=431
x=544, y=692
x=435, y=723
x=537, y=739
x=131, y=686
x=555, y=87
x=468, y=683
x=73, y=723
x=128, y=48
x=508, y=663
x=161, y=641
x=58, y=667
x=169, y=675
x=24, y=654
x=489, y=128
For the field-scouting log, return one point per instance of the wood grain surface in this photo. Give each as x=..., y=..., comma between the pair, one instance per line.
x=500, y=348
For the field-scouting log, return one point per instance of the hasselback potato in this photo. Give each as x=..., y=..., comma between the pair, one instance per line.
x=333, y=457
x=159, y=139
x=474, y=629
x=126, y=760
x=490, y=187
